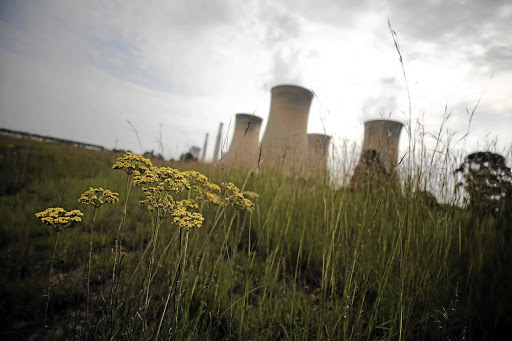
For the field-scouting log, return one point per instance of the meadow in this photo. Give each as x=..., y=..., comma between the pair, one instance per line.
x=312, y=260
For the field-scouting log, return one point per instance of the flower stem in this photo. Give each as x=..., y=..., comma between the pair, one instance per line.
x=119, y=238
x=49, y=280
x=89, y=267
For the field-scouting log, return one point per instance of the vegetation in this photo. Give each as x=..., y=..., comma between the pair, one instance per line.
x=313, y=260
x=488, y=182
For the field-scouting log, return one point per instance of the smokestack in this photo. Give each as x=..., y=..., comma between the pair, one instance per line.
x=284, y=143
x=217, y=144
x=244, y=150
x=318, y=145
x=203, y=157
x=379, y=156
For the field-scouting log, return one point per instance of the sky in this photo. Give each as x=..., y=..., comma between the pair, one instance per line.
x=108, y=72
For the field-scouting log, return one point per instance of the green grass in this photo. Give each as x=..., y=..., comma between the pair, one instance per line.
x=313, y=261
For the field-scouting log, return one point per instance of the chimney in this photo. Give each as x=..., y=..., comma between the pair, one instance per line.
x=244, y=150
x=203, y=156
x=284, y=144
x=217, y=144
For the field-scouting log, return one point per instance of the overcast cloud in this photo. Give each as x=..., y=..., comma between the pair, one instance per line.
x=81, y=69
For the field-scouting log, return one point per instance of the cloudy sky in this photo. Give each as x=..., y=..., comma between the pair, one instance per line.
x=82, y=70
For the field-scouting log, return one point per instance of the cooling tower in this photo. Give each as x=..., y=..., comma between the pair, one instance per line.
x=284, y=144
x=244, y=150
x=318, y=146
x=379, y=156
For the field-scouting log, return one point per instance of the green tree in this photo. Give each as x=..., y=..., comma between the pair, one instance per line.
x=488, y=182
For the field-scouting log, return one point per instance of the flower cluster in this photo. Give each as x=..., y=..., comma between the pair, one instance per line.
x=59, y=218
x=169, y=179
x=237, y=199
x=204, y=190
x=158, y=184
x=98, y=196
x=131, y=163
x=185, y=218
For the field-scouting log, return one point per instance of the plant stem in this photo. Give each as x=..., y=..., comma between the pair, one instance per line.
x=89, y=267
x=49, y=280
x=119, y=238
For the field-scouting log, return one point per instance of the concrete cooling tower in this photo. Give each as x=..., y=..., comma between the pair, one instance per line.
x=284, y=144
x=244, y=150
x=318, y=147
x=379, y=156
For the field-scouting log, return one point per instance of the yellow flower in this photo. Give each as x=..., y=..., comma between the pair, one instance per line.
x=237, y=199
x=203, y=189
x=169, y=179
x=184, y=218
x=98, y=196
x=131, y=163
x=157, y=185
x=59, y=218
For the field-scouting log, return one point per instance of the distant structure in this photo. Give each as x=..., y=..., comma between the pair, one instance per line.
x=191, y=155
x=318, y=148
x=244, y=151
x=43, y=138
x=217, y=144
x=152, y=156
x=379, y=156
x=195, y=151
x=203, y=157
x=284, y=144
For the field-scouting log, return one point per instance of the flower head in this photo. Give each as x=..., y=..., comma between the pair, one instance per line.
x=158, y=185
x=59, y=218
x=237, y=199
x=98, y=196
x=185, y=218
x=204, y=189
x=131, y=163
x=169, y=179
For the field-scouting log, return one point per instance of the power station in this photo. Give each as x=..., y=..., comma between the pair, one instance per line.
x=244, y=150
x=287, y=148
x=379, y=156
x=317, y=155
x=284, y=144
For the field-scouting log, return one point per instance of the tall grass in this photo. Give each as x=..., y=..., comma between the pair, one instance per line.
x=317, y=259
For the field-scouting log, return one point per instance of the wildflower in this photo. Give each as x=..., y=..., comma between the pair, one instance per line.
x=157, y=185
x=185, y=218
x=237, y=199
x=204, y=190
x=169, y=178
x=98, y=196
x=59, y=218
x=131, y=164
